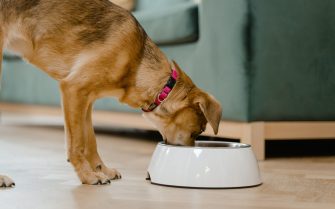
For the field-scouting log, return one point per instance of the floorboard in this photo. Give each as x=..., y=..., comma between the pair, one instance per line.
x=35, y=158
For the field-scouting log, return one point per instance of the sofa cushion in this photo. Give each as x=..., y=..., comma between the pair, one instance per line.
x=170, y=24
x=157, y=4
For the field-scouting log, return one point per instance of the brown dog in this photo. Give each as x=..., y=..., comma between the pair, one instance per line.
x=96, y=49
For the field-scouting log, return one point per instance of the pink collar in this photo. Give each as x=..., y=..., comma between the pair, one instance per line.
x=165, y=91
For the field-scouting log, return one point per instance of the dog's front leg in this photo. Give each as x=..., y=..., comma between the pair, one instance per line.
x=5, y=181
x=75, y=103
x=91, y=150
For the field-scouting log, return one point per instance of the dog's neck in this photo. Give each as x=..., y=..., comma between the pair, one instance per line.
x=155, y=78
x=148, y=79
x=165, y=91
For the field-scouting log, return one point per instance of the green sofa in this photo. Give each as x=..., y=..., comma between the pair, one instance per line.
x=265, y=60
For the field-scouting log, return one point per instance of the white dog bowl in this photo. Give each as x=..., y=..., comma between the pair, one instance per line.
x=209, y=164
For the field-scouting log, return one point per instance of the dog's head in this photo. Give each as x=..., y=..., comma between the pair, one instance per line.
x=183, y=116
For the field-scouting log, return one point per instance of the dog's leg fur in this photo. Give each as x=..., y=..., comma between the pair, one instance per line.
x=5, y=181
x=75, y=106
x=91, y=151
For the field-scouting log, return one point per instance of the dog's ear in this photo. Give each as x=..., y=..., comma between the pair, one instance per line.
x=211, y=108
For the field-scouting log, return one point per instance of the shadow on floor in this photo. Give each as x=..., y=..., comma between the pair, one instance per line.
x=300, y=148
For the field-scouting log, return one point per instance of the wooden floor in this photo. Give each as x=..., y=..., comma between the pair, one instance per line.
x=35, y=158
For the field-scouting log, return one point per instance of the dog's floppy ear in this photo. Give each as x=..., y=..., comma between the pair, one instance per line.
x=211, y=108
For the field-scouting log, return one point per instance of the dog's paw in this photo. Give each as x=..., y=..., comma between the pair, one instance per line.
x=94, y=178
x=112, y=173
x=5, y=181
